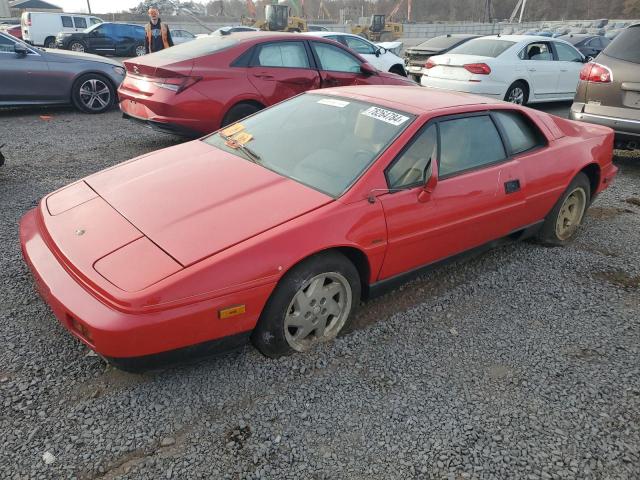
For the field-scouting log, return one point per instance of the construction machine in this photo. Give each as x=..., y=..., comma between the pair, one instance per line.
x=379, y=30
x=277, y=18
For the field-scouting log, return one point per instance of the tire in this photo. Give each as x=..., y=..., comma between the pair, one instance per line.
x=239, y=111
x=77, y=46
x=563, y=221
x=138, y=51
x=294, y=316
x=517, y=93
x=398, y=70
x=50, y=42
x=93, y=93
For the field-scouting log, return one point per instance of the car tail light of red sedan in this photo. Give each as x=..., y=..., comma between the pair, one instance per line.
x=177, y=84
x=596, y=73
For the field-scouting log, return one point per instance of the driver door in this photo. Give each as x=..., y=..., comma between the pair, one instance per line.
x=339, y=68
x=542, y=69
x=22, y=77
x=102, y=39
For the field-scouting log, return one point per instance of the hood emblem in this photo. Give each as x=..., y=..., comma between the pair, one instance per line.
x=135, y=69
x=80, y=232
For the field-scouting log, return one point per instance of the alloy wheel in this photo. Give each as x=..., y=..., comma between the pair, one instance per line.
x=77, y=47
x=571, y=213
x=95, y=94
x=516, y=95
x=318, y=311
x=140, y=51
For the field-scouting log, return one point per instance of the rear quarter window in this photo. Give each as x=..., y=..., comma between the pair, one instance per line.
x=484, y=47
x=521, y=134
x=626, y=46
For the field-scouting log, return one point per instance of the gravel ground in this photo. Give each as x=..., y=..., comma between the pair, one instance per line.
x=521, y=362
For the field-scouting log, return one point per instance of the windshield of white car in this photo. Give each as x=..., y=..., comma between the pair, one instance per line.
x=91, y=28
x=483, y=47
x=322, y=141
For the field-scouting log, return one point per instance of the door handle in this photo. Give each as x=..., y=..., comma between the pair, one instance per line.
x=564, y=70
x=263, y=75
x=532, y=69
x=512, y=186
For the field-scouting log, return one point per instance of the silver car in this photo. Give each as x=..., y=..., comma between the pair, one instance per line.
x=41, y=76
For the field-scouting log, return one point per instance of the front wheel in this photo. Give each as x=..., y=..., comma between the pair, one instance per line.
x=50, y=42
x=312, y=303
x=93, y=93
x=562, y=223
x=517, y=93
x=77, y=46
x=139, y=51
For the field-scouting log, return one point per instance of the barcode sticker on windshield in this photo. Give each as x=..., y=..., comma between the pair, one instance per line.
x=385, y=115
x=333, y=102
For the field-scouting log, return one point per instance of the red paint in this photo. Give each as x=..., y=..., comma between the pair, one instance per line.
x=143, y=255
x=201, y=107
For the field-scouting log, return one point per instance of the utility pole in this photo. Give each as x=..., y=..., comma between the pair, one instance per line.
x=487, y=14
x=89, y=7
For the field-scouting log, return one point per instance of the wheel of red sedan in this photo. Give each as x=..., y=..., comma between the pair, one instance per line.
x=311, y=304
x=564, y=220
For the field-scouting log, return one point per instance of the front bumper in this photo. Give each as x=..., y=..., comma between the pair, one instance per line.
x=627, y=131
x=126, y=336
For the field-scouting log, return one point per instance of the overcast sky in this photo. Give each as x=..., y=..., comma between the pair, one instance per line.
x=97, y=6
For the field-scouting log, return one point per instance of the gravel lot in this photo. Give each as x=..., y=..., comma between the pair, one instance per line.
x=522, y=362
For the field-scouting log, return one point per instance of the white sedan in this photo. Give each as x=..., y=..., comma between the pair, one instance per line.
x=379, y=57
x=517, y=68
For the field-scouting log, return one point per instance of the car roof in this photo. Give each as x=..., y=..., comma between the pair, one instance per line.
x=521, y=38
x=243, y=37
x=416, y=100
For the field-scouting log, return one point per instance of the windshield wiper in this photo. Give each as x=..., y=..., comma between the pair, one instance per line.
x=253, y=156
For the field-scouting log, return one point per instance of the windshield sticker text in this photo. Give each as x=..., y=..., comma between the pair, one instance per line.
x=232, y=130
x=385, y=115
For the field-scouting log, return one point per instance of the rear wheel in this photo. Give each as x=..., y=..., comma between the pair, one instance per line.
x=517, y=93
x=562, y=223
x=50, y=42
x=93, y=93
x=239, y=111
x=139, y=51
x=312, y=304
x=77, y=46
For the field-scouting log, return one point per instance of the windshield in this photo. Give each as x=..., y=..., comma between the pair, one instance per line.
x=484, y=47
x=440, y=43
x=321, y=141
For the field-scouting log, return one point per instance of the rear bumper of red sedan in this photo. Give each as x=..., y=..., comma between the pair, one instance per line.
x=133, y=340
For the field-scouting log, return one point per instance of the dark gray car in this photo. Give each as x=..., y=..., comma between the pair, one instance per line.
x=39, y=76
x=609, y=89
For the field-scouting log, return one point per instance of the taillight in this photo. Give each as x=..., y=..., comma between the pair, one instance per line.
x=28, y=20
x=596, y=73
x=478, y=68
x=176, y=84
x=430, y=64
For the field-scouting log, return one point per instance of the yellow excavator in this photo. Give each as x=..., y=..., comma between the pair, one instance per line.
x=277, y=19
x=379, y=30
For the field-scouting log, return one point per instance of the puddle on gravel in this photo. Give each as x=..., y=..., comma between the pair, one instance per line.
x=583, y=353
x=633, y=201
x=596, y=249
x=619, y=278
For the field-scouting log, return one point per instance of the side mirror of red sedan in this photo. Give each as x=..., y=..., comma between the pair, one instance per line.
x=425, y=192
x=367, y=69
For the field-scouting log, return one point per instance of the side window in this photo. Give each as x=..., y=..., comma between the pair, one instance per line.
x=360, y=46
x=283, y=54
x=482, y=144
x=536, y=51
x=522, y=135
x=335, y=59
x=412, y=166
x=80, y=22
x=6, y=45
x=66, y=22
x=187, y=34
x=567, y=53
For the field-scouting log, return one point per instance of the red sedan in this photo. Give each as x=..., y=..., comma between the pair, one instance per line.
x=205, y=84
x=15, y=30
x=274, y=228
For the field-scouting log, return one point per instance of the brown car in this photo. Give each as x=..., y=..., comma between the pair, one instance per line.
x=609, y=89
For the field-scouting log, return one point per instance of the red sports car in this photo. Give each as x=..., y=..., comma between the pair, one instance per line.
x=276, y=227
x=211, y=82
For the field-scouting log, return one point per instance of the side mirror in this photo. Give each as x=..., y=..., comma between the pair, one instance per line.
x=380, y=51
x=430, y=184
x=20, y=49
x=367, y=69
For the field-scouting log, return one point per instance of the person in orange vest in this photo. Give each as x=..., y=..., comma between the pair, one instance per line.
x=157, y=34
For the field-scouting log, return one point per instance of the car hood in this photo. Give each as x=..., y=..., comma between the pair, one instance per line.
x=195, y=200
x=69, y=56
